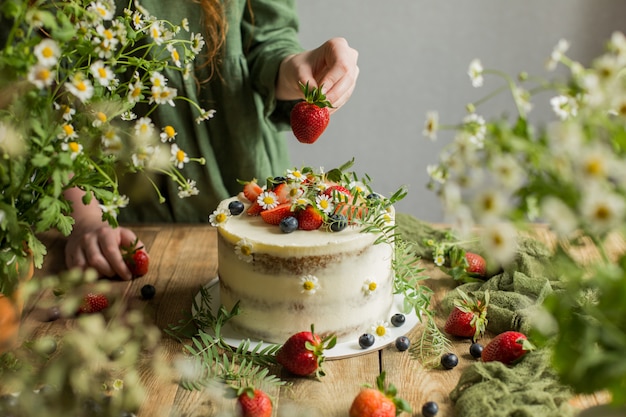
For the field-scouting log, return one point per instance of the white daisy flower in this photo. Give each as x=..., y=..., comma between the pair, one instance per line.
x=80, y=87
x=309, y=284
x=602, y=210
x=475, y=126
x=522, y=100
x=103, y=74
x=157, y=79
x=179, y=157
x=244, y=250
x=128, y=116
x=99, y=119
x=475, y=72
x=113, y=206
x=188, y=190
x=138, y=20
x=185, y=24
x=295, y=175
x=564, y=107
x=141, y=157
x=205, y=115
x=73, y=147
x=47, y=52
x=111, y=141
x=489, y=202
x=197, y=43
x=163, y=95
x=168, y=134
x=380, y=329
x=174, y=55
x=500, y=241
x=431, y=126
x=324, y=203
x=267, y=200
x=41, y=76
x=144, y=127
x=294, y=191
x=135, y=92
x=439, y=260
x=357, y=188
x=557, y=54
x=156, y=32
x=68, y=112
x=101, y=9
x=369, y=287
x=508, y=171
x=67, y=132
x=219, y=216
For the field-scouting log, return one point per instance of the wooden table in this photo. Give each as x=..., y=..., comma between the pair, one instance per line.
x=183, y=258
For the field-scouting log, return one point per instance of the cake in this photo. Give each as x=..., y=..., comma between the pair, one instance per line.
x=305, y=249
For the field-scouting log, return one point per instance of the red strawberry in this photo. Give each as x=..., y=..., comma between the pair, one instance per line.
x=282, y=192
x=476, y=264
x=253, y=403
x=136, y=259
x=310, y=117
x=350, y=211
x=302, y=354
x=92, y=303
x=309, y=218
x=506, y=347
x=275, y=215
x=252, y=190
x=254, y=209
x=338, y=193
x=468, y=318
x=378, y=402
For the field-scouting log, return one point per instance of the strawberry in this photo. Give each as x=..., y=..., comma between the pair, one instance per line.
x=309, y=218
x=302, y=354
x=253, y=403
x=282, y=192
x=255, y=209
x=507, y=347
x=252, y=190
x=468, y=318
x=476, y=264
x=136, y=259
x=350, y=211
x=338, y=193
x=378, y=402
x=310, y=117
x=276, y=214
x=93, y=303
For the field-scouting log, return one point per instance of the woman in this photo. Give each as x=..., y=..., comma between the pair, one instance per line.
x=250, y=77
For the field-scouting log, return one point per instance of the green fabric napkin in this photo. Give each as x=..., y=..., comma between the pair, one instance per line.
x=529, y=388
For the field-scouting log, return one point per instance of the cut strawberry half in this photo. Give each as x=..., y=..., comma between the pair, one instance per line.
x=276, y=214
x=252, y=190
x=255, y=209
x=310, y=218
x=282, y=193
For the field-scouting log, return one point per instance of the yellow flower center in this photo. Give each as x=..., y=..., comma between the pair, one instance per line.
x=246, y=250
x=43, y=74
x=603, y=213
x=594, y=167
x=47, y=52
x=323, y=204
x=381, y=330
x=308, y=285
x=169, y=131
x=108, y=34
x=102, y=73
x=81, y=86
x=74, y=147
x=68, y=129
x=372, y=286
x=101, y=116
x=221, y=218
x=136, y=92
x=180, y=155
x=268, y=199
x=175, y=55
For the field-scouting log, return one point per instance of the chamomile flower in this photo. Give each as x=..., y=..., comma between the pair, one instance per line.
x=138, y=20
x=67, y=112
x=601, y=209
x=99, y=119
x=185, y=24
x=188, y=190
x=309, y=284
x=163, y=95
x=205, y=115
x=267, y=200
x=475, y=72
x=157, y=79
x=489, y=202
x=358, y=188
x=103, y=10
x=47, y=52
x=105, y=42
x=294, y=191
x=141, y=157
x=324, y=203
x=112, y=207
x=80, y=87
x=474, y=125
x=128, y=116
x=156, y=32
x=111, y=141
x=219, y=216
x=179, y=157
x=500, y=240
x=244, y=250
x=135, y=92
x=522, y=100
x=102, y=74
x=197, y=43
x=144, y=127
x=431, y=126
x=67, y=132
x=369, y=287
x=557, y=54
x=380, y=329
x=295, y=175
x=564, y=107
x=41, y=76
x=174, y=55
x=168, y=134
x=439, y=259
x=508, y=171
x=73, y=147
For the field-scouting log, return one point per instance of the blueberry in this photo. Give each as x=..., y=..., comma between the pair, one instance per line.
x=337, y=222
x=402, y=343
x=278, y=180
x=148, y=291
x=430, y=409
x=53, y=313
x=288, y=224
x=449, y=360
x=373, y=196
x=476, y=350
x=398, y=319
x=366, y=340
x=235, y=207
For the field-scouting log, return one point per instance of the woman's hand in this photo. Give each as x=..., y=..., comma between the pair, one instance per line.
x=333, y=65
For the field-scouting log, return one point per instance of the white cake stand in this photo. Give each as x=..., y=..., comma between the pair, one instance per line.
x=341, y=350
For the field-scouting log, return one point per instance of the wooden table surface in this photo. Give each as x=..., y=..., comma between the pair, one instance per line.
x=183, y=258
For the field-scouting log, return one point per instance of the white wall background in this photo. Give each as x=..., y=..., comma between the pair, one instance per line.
x=413, y=57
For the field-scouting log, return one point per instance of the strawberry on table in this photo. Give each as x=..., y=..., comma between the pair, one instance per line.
x=378, y=402
x=136, y=259
x=309, y=218
x=507, y=347
x=276, y=214
x=93, y=303
x=303, y=353
x=253, y=403
x=468, y=318
x=310, y=117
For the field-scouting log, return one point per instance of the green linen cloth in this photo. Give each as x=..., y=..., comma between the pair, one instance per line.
x=530, y=388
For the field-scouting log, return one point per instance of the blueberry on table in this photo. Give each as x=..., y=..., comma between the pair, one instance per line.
x=366, y=340
x=148, y=292
x=235, y=207
x=398, y=319
x=288, y=224
x=402, y=343
x=449, y=360
x=476, y=350
x=430, y=409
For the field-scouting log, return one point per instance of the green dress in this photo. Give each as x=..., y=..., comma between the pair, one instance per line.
x=243, y=140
